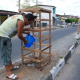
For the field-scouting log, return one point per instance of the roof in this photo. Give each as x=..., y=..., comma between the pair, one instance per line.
x=47, y=5
x=35, y=10
x=5, y=12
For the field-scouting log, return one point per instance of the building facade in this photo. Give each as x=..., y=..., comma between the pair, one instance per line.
x=46, y=16
x=5, y=14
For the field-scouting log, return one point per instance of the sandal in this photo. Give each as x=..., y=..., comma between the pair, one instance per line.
x=15, y=67
x=12, y=76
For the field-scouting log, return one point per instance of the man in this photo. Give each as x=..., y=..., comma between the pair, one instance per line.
x=9, y=28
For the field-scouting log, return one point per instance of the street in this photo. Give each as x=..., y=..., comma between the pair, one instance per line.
x=56, y=35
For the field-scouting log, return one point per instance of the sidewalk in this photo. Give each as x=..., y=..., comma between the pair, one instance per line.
x=71, y=71
x=59, y=50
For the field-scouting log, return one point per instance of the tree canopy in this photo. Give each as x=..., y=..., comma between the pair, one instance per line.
x=70, y=20
x=26, y=3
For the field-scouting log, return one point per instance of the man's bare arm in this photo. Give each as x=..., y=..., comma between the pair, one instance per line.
x=20, y=25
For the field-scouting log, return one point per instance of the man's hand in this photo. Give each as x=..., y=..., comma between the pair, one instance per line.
x=25, y=41
x=26, y=32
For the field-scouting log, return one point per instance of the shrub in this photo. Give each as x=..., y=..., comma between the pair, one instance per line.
x=70, y=20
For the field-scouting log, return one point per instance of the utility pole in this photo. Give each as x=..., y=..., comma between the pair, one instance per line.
x=36, y=2
x=36, y=13
x=64, y=18
x=19, y=4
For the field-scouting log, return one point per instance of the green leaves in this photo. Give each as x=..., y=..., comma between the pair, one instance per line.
x=26, y=3
x=70, y=20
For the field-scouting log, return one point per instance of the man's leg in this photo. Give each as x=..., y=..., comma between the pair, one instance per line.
x=11, y=65
x=8, y=70
x=6, y=50
x=9, y=73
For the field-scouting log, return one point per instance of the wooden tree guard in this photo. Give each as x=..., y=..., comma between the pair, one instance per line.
x=78, y=29
x=39, y=30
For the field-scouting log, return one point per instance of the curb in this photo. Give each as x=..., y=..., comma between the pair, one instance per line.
x=55, y=70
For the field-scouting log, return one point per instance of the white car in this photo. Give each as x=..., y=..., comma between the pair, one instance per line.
x=64, y=26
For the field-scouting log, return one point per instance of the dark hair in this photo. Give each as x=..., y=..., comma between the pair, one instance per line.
x=23, y=14
x=30, y=16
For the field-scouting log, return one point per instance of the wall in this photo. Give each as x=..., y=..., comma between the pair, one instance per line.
x=46, y=15
x=3, y=18
x=59, y=22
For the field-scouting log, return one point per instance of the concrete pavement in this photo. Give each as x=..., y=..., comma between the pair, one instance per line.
x=60, y=48
x=71, y=70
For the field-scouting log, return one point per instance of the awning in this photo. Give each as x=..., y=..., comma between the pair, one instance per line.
x=56, y=17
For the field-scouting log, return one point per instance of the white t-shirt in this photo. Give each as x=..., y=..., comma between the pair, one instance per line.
x=9, y=26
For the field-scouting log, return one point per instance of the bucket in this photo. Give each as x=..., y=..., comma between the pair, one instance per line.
x=30, y=39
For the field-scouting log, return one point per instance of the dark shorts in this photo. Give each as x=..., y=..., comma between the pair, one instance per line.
x=5, y=50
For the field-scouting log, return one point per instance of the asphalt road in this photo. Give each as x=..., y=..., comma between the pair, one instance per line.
x=56, y=35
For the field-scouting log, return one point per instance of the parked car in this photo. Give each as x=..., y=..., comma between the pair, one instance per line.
x=64, y=26
x=75, y=24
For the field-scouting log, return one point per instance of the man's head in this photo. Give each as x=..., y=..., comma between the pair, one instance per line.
x=29, y=18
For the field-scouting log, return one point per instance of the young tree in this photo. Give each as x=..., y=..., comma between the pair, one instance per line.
x=26, y=3
x=70, y=20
